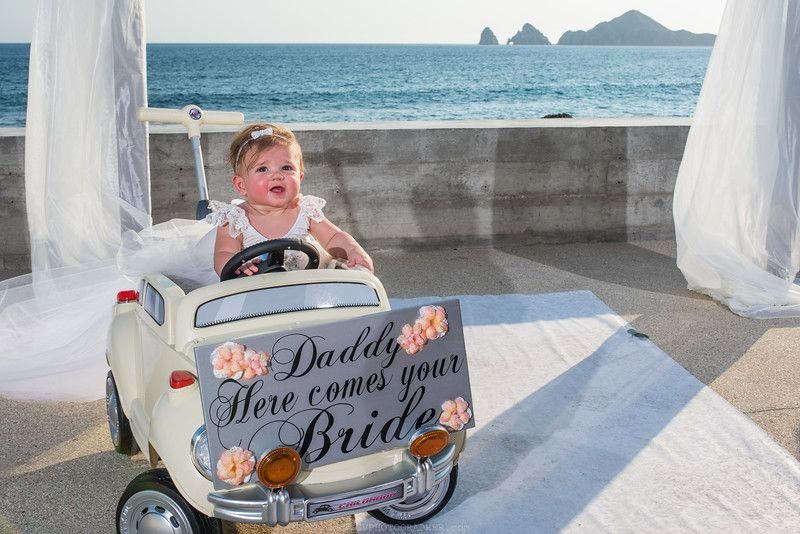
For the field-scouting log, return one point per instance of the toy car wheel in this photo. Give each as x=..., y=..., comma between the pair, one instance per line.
x=422, y=508
x=151, y=504
x=118, y=425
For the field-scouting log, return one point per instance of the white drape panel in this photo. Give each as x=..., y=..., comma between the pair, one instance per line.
x=736, y=196
x=87, y=57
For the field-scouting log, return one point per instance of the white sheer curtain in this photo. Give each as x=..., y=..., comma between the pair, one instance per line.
x=87, y=57
x=87, y=182
x=736, y=198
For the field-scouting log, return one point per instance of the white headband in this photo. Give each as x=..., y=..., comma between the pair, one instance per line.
x=257, y=134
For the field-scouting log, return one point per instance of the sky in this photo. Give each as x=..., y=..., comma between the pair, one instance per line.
x=375, y=21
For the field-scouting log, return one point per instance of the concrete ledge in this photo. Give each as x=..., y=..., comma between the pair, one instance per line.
x=411, y=184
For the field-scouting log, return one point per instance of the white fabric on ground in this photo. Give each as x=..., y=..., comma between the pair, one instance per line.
x=56, y=328
x=582, y=427
x=737, y=195
x=55, y=338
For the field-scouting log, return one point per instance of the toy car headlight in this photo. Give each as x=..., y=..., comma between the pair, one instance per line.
x=428, y=441
x=279, y=467
x=201, y=458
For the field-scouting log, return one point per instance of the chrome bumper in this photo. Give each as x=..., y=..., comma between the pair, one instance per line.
x=313, y=502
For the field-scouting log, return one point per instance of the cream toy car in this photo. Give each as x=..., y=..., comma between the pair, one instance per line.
x=170, y=395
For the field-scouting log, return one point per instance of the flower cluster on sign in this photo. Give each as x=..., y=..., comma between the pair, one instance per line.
x=431, y=324
x=334, y=391
x=455, y=413
x=236, y=465
x=232, y=360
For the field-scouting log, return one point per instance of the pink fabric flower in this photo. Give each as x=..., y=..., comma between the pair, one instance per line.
x=433, y=320
x=431, y=324
x=455, y=413
x=412, y=338
x=232, y=360
x=236, y=466
x=257, y=363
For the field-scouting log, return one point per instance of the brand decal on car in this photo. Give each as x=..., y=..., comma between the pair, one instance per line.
x=350, y=504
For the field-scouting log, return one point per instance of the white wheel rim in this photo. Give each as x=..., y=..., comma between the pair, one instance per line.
x=153, y=512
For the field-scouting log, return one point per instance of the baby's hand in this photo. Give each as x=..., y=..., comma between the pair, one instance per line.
x=249, y=268
x=360, y=258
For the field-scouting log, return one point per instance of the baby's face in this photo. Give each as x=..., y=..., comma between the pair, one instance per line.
x=272, y=178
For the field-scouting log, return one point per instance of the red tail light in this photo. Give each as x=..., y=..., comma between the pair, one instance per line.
x=181, y=379
x=128, y=295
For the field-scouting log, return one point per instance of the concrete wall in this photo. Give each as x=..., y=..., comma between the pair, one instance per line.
x=14, y=243
x=416, y=184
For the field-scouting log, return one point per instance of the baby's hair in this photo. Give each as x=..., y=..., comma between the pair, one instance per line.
x=257, y=137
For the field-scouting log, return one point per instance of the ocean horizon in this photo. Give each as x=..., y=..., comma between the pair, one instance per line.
x=290, y=83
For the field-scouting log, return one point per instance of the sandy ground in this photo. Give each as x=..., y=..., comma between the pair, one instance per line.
x=59, y=473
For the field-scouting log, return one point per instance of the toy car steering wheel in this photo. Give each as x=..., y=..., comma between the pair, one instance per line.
x=274, y=249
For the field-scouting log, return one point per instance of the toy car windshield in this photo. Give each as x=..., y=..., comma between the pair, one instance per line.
x=283, y=299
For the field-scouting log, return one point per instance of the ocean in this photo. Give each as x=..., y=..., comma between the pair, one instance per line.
x=328, y=83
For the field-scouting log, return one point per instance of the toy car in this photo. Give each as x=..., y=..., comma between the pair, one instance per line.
x=154, y=405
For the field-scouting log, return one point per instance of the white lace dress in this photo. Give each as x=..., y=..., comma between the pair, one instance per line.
x=238, y=224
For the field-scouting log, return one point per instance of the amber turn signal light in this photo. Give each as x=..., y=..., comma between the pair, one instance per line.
x=428, y=441
x=278, y=467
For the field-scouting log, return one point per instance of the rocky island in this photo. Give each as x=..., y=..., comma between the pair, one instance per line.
x=488, y=37
x=635, y=29
x=629, y=29
x=528, y=35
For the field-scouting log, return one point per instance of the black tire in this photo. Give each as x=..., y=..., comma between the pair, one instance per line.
x=118, y=424
x=151, y=503
x=421, y=509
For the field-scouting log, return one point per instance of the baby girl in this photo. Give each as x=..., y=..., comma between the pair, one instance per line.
x=267, y=171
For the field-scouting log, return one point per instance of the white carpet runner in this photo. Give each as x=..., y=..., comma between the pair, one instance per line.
x=584, y=427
